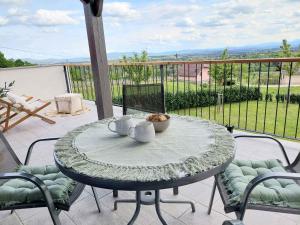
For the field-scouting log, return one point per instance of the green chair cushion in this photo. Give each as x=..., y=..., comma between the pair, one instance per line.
x=18, y=191
x=274, y=192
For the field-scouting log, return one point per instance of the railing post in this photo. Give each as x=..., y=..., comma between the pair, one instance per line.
x=67, y=78
x=161, y=68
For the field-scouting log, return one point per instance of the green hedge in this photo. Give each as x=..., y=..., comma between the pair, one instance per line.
x=294, y=98
x=204, y=98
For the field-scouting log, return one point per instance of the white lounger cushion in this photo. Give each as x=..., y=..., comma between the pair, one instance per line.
x=16, y=99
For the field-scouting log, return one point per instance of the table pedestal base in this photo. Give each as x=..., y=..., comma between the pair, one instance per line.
x=150, y=198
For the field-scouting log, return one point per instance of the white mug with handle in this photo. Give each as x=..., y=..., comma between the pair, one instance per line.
x=121, y=125
x=142, y=132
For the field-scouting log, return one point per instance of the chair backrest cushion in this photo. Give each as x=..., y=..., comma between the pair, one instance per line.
x=144, y=97
x=8, y=159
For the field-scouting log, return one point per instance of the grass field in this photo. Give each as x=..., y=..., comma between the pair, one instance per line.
x=244, y=116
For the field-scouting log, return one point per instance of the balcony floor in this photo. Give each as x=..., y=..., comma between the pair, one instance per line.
x=84, y=211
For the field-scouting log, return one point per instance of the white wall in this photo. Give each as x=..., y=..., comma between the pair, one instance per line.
x=39, y=81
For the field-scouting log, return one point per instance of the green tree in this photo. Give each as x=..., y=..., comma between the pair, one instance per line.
x=135, y=69
x=286, y=52
x=285, y=49
x=19, y=63
x=4, y=62
x=219, y=72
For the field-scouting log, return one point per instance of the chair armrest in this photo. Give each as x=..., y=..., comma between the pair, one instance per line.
x=29, y=151
x=259, y=179
x=270, y=138
x=36, y=181
x=233, y=222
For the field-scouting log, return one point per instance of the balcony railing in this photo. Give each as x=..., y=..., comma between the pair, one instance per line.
x=258, y=95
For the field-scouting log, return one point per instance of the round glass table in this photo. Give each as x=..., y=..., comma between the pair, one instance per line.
x=190, y=150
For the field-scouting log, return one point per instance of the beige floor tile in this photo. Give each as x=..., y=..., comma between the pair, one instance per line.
x=169, y=219
x=85, y=213
x=175, y=210
x=254, y=217
x=126, y=210
x=201, y=217
x=43, y=217
x=4, y=214
x=10, y=220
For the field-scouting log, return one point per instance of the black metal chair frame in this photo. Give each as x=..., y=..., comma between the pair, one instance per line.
x=240, y=209
x=54, y=209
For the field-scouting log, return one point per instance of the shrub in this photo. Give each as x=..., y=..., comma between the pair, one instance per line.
x=269, y=97
x=204, y=98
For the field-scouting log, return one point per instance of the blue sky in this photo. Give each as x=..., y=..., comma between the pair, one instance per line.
x=56, y=29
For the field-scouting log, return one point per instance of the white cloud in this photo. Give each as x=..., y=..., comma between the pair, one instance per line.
x=185, y=22
x=44, y=17
x=41, y=18
x=163, y=25
x=120, y=10
x=167, y=11
x=166, y=25
x=17, y=11
x=3, y=21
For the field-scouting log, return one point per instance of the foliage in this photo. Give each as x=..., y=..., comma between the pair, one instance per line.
x=269, y=97
x=137, y=73
x=286, y=52
x=6, y=88
x=190, y=99
x=205, y=98
x=221, y=72
x=76, y=73
x=5, y=63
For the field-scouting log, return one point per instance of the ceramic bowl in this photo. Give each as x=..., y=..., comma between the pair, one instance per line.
x=159, y=126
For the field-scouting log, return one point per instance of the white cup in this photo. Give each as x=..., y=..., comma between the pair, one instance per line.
x=142, y=132
x=121, y=125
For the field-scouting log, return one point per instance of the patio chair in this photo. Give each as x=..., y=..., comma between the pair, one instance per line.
x=260, y=185
x=23, y=186
x=144, y=98
x=25, y=107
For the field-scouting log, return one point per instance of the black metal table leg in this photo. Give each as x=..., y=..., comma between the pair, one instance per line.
x=157, y=208
x=96, y=199
x=138, y=208
x=150, y=198
x=180, y=202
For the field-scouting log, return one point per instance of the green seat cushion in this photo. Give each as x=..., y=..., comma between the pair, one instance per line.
x=274, y=192
x=18, y=191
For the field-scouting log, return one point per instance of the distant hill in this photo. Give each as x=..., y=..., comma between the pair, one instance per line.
x=211, y=53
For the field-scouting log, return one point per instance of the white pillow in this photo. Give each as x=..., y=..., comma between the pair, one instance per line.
x=16, y=99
